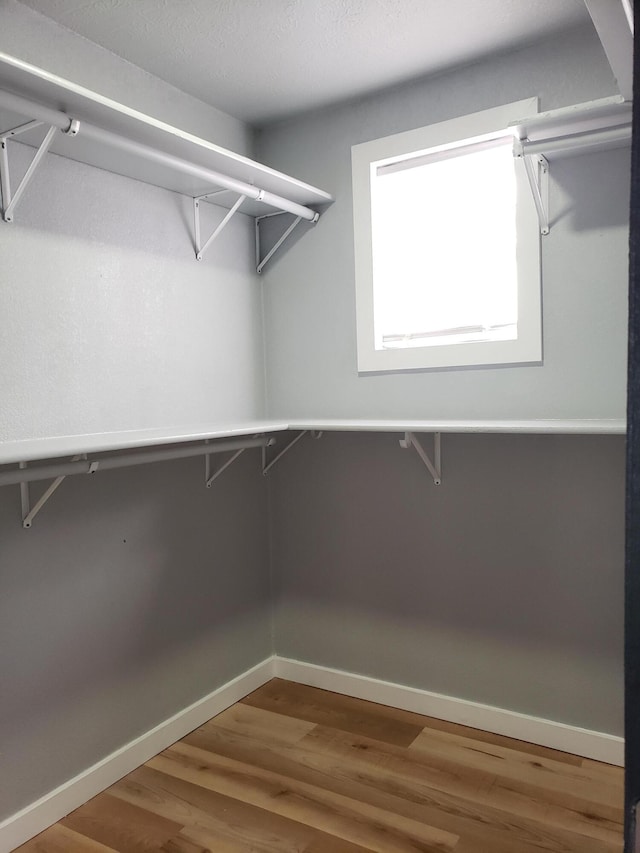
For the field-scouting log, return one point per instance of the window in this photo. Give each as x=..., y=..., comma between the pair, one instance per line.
x=447, y=247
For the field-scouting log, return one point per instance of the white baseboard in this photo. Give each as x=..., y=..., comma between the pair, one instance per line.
x=36, y=817
x=589, y=744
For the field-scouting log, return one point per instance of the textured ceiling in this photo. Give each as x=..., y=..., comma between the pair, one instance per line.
x=260, y=60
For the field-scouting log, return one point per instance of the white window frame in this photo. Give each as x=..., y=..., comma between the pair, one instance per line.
x=366, y=158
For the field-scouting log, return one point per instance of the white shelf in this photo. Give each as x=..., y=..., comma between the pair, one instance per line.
x=574, y=426
x=31, y=450
x=580, y=128
x=56, y=93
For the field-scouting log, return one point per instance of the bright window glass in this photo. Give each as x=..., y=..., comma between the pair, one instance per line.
x=447, y=247
x=445, y=272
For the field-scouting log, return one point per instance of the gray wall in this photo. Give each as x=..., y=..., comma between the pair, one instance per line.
x=309, y=296
x=109, y=322
x=504, y=585
x=134, y=594
x=138, y=592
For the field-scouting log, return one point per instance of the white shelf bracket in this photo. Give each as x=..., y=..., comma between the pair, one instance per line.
x=201, y=249
x=211, y=476
x=57, y=471
x=5, y=180
x=29, y=512
x=267, y=466
x=9, y=200
x=262, y=262
x=537, y=169
x=21, y=128
x=435, y=467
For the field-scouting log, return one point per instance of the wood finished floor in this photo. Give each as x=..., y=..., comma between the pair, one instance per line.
x=294, y=769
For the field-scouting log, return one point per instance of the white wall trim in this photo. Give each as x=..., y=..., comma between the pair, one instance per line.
x=23, y=825
x=589, y=744
x=36, y=817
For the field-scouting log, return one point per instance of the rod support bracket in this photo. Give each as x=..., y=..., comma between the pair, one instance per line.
x=267, y=466
x=537, y=170
x=199, y=246
x=29, y=512
x=80, y=464
x=434, y=465
x=261, y=262
x=10, y=200
x=211, y=476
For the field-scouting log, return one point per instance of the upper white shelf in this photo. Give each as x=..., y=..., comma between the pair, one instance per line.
x=95, y=111
x=581, y=128
x=31, y=450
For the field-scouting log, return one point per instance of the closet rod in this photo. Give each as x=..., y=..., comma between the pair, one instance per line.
x=606, y=138
x=89, y=466
x=59, y=119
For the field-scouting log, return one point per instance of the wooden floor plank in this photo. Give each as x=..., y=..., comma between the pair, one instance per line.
x=498, y=831
x=122, y=826
x=606, y=771
x=213, y=817
x=61, y=839
x=180, y=844
x=295, y=769
x=377, y=766
x=262, y=724
x=337, y=845
x=561, y=809
x=500, y=834
x=505, y=763
x=208, y=813
x=519, y=746
x=332, y=701
x=342, y=712
x=324, y=810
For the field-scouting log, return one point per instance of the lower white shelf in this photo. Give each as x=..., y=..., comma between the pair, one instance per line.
x=582, y=426
x=33, y=449
x=30, y=450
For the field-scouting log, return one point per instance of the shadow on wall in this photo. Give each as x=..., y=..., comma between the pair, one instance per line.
x=577, y=180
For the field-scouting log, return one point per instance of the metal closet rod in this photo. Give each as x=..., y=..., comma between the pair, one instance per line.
x=605, y=138
x=59, y=119
x=125, y=460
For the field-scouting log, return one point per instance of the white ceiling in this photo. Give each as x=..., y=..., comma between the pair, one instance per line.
x=260, y=60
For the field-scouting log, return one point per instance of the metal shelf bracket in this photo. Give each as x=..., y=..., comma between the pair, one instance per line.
x=211, y=476
x=9, y=200
x=537, y=169
x=201, y=249
x=80, y=464
x=435, y=467
x=29, y=512
x=262, y=262
x=266, y=466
